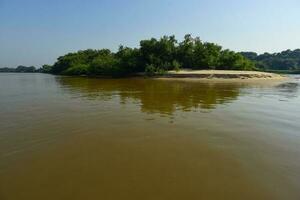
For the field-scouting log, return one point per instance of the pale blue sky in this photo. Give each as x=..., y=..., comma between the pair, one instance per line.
x=36, y=32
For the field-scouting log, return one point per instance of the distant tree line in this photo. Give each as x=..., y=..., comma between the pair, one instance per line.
x=154, y=56
x=24, y=69
x=19, y=69
x=286, y=60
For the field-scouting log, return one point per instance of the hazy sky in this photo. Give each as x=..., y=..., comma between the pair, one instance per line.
x=36, y=32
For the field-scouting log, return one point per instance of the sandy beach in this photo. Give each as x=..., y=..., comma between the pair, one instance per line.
x=221, y=75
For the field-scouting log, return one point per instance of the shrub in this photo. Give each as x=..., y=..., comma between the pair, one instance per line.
x=80, y=69
x=176, y=65
x=150, y=70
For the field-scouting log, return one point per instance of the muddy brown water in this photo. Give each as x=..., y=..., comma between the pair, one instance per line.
x=80, y=138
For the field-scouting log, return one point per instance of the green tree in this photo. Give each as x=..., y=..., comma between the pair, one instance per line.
x=155, y=55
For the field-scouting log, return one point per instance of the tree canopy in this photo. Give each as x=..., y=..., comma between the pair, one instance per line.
x=153, y=56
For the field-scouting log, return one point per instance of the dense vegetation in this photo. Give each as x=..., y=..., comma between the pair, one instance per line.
x=286, y=60
x=154, y=56
x=19, y=69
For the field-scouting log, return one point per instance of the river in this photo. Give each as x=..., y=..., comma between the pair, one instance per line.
x=80, y=138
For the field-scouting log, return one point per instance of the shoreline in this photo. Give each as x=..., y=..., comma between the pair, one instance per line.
x=220, y=75
x=201, y=75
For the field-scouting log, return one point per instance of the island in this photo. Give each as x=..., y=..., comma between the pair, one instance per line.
x=153, y=57
x=167, y=57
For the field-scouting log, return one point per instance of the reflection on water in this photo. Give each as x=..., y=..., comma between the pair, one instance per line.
x=78, y=138
x=155, y=96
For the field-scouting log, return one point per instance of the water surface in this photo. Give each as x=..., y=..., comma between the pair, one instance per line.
x=79, y=138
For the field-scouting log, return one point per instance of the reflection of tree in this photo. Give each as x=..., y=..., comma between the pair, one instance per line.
x=155, y=96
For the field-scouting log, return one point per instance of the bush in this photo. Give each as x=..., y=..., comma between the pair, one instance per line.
x=176, y=65
x=150, y=70
x=160, y=71
x=80, y=69
x=104, y=65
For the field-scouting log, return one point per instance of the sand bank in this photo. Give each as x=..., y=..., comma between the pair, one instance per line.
x=221, y=75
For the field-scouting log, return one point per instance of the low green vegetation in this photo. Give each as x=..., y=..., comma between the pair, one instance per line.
x=154, y=56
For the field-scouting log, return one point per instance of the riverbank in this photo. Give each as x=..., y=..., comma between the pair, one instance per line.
x=205, y=75
x=221, y=75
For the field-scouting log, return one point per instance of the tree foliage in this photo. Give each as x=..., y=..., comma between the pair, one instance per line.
x=153, y=56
